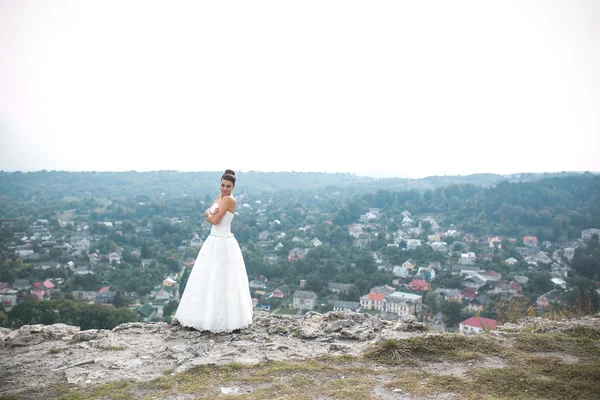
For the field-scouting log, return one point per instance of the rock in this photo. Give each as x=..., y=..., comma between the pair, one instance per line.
x=76, y=375
x=89, y=334
x=29, y=335
x=339, y=347
x=230, y=390
x=4, y=333
x=142, y=327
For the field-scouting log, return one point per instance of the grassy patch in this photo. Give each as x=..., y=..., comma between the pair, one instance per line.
x=433, y=349
x=425, y=383
x=9, y=397
x=56, y=350
x=580, y=341
x=549, y=379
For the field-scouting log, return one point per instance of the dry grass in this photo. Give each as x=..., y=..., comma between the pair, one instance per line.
x=436, y=348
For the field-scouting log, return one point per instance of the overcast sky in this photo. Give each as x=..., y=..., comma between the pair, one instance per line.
x=413, y=88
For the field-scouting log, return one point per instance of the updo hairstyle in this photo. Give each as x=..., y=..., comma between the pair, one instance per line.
x=229, y=175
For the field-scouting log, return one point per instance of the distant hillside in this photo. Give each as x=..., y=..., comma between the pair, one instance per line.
x=54, y=185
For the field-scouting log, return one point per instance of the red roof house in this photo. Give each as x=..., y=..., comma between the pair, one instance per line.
x=419, y=284
x=477, y=324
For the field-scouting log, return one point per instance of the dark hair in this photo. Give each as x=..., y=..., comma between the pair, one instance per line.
x=229, y=175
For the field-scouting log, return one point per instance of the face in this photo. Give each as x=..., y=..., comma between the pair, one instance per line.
x=226, y=187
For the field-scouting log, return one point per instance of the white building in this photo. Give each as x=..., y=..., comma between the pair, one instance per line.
x=587, y=234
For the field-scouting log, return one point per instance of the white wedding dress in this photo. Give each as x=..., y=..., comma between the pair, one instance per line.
x=217, y=295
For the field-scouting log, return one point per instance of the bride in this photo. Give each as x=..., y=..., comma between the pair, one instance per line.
x=217, y=296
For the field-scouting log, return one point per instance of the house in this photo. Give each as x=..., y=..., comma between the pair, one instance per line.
x=316, y=242
x=419, y=285
x=530, y=241
x=427, y=273
x=5, y=287
x=8, y=299
x=436, y=237
x=94, y=258
x=44, y=265
x=255, y=284
x=521, y=280
x=114, y=258
x=296, y=254
x=105, y=297
x=281, y=292
x=400, y=271
x=479, y=303
x=469, y=293
x=304, y=300
x=346, y=305
x=335, y=287
x=162, y=295
x=449, y=294
x=494, y=242
x=196, y=242
x=41, y=290
x=474, y=281
x=104, y=289
x=409, y=264
x=588, y=233
x=377, y=257
x=458, y=269
x=403, y=304
x=82, y=295
x=385, y=289
x=559, y=282
x=508, y=288
x=491, y=276
x=477, y=325
x=467, y=258
x=21, y=284
x=412, y=244
x=355, y=230
x=296, y=239
x=372, y=301
x=511, y=261
x=547, y=299
x=83, y=270
x=135, y=253
x=438, y=246
x=145, y=312
x=559, y=271
x=569, y=253
x=542, y=257
x=170, y=282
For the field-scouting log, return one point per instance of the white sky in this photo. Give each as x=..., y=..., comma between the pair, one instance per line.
x=413, y=88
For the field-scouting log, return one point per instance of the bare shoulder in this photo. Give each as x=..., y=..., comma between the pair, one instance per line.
x=228, y=200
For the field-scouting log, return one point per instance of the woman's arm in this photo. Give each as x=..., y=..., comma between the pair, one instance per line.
x=225, y=205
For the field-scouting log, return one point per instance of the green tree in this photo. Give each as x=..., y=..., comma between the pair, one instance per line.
x=431, y=302
x=170, y=308
x=452, y=312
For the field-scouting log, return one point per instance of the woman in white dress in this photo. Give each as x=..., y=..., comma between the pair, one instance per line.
x=217, y=295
